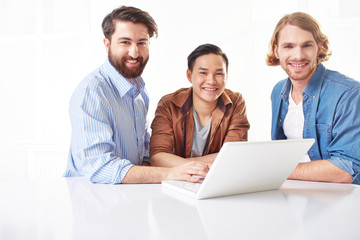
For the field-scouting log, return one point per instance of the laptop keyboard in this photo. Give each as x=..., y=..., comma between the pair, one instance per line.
x=193, y=187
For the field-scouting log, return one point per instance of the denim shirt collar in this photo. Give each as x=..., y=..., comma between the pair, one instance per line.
x=310, y=104
x=313, y=88
x=122, y=85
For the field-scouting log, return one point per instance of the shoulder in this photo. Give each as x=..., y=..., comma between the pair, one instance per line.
x=233, y=100
x=279, y=86
x=178, y=97
x=277, y=89
x=340, y=81
x=180, y=92
x=93, y=88
x=94, y=82
x=233, y=95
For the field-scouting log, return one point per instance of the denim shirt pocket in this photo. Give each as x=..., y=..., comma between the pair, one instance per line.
x=323, y=132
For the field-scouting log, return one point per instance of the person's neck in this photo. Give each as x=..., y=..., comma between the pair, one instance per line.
x=297, y=90
x=130, y=81
x=204, y=111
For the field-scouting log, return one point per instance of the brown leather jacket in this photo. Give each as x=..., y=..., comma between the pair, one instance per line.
x=174, y=114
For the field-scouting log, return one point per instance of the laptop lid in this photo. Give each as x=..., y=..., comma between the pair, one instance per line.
x=243, y=167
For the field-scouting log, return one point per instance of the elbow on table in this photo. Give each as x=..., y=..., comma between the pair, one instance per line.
x=343, y=177
x=156, y=160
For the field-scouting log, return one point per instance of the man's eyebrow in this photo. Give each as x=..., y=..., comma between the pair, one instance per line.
x=124, y=38
x=219, y=69
x=203, y=69
x=129, y=39
x=291, y=43
x=286, y=43
x=309, y=41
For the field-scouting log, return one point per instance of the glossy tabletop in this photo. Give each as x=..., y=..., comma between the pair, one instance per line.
x=77, y=209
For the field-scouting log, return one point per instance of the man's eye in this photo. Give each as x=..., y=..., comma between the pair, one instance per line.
x=142, y=43
x=125, y=42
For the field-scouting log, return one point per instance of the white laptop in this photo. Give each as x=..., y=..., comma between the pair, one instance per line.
x=244, y=167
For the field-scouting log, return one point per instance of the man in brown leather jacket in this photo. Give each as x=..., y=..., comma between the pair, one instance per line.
x=193, y=123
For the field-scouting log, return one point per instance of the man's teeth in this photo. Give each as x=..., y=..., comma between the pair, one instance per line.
x=131, y=61
x=297, y=65
x=210, y=89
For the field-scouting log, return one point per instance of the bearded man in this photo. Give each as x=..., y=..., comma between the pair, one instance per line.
x=108, y=110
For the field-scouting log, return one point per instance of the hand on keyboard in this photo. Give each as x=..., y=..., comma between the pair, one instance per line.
x=191, y=172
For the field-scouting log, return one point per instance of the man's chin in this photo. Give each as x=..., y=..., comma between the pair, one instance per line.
x=131, y=74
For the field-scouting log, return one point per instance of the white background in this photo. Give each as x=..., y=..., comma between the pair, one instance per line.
x=48, y=46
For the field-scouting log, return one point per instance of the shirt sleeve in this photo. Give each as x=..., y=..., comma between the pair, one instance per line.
x=345, y=145
x=239, y=124
x=92, y=145
x=162, y=135
x=146, y=157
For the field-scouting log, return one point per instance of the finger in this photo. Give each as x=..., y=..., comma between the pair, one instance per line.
x=194, y=179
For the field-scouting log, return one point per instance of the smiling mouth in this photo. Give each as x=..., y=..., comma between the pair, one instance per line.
x=210, y=89
x=132, y=61
x=297, y=65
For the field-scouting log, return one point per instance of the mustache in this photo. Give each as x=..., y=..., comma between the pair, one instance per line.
x=139, y=58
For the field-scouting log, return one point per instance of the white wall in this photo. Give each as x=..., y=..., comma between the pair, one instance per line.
x=48, y=46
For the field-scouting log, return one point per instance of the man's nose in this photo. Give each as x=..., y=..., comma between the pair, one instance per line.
x=298, y=53
x=133, y=51
x=211, y=79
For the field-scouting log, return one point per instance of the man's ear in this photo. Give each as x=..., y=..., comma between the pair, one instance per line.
x=107, y=44
x=320, y=45
x=275, y=50
x=188, y=75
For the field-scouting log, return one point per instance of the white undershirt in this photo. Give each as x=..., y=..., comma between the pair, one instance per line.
x=294, y=122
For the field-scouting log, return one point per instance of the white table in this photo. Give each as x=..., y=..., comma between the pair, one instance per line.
x=77, y=209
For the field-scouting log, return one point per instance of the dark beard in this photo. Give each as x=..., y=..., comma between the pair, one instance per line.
x=119, y=65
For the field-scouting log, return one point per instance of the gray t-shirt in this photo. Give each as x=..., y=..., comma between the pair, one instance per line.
x=200, y=137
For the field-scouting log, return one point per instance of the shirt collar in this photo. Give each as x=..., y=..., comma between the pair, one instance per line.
x=312, y=89
x=314, y=86
x=121, y=83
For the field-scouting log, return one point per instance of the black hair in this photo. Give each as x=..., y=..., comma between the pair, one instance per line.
x=205, y=49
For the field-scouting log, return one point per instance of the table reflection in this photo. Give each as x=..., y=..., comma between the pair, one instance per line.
x=299, y=210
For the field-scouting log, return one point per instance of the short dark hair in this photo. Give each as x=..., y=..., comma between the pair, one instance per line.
x=130, y=14
x=205, y=49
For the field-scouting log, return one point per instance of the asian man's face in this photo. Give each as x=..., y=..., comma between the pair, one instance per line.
x=208, y=78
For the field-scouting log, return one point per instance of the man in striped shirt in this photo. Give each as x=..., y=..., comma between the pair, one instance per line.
x=110, y=137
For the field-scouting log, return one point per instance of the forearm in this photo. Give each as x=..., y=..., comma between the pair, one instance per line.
x=320, y=170
x=172, y=160
x=145, y=174
x=163, y=159
x=186, y=172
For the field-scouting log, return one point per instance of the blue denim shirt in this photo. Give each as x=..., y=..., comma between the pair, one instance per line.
x=331, y=105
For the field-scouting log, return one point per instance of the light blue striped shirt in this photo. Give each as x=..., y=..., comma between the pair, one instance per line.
x=110, y=131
